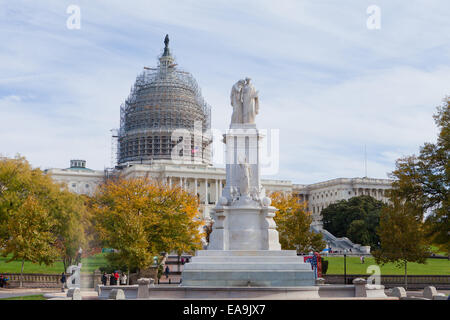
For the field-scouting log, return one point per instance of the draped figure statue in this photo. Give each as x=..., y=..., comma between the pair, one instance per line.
x=245, y=103
x=250, y=102
x=236, y=101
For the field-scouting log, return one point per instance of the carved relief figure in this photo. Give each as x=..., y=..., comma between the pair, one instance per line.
x=245, y=179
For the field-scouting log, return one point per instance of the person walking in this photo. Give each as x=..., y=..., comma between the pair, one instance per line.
x=112, y=279
x=63, y=281
x=116, y=278
x=123, y=279
x=104, y=278
x=167, y=271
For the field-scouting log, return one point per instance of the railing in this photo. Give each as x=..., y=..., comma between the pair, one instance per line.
x=42, y=280
x=390, y=281
x=34, y=280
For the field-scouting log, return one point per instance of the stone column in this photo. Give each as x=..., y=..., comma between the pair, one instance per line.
x=206, y=191
x=195, y=187
x=360, y=287
x=170, y=182
x=217, y=191
x=143, y=288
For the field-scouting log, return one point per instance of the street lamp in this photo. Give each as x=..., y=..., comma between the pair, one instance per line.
x=345, y=268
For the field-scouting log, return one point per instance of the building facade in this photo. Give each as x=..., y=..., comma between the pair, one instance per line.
x=207, y=182
x=320, y=195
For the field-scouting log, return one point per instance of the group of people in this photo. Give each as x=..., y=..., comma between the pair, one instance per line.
x=3, y=281
x=114, y=279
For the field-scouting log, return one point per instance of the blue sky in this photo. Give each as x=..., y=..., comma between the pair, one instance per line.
x=326, y=81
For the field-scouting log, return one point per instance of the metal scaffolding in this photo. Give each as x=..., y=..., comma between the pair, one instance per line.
x=162, y=100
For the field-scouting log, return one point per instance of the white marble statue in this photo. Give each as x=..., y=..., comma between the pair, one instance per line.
x=236, y=101
x=244, y=100
x=250, y=102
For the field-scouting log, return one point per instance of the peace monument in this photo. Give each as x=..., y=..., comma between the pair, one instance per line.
x=244, y=248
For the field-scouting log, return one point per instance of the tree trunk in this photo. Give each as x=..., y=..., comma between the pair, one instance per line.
x=128, y=276
x=406, y=277
x=21, y=273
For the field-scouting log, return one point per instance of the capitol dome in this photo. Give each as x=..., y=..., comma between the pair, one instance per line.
x=162, y=100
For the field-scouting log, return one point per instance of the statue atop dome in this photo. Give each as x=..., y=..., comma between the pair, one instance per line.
x=166, y=41
x=166, y=47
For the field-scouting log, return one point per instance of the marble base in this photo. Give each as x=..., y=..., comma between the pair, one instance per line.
x=246, y=293
x=247, y=268
x=244, y=228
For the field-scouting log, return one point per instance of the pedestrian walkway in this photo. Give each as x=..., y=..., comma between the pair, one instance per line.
x=20, y=292
x=85, y=295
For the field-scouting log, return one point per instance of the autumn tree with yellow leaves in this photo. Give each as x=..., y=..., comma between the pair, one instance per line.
x=141, y=218
x=293, y=224
x=40, y=221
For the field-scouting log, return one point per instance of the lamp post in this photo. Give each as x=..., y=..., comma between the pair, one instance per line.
x=345, y=268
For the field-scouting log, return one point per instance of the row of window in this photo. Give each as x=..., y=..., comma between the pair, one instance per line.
x=330, y=194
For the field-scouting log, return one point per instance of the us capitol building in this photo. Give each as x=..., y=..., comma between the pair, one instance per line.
x=165, y=100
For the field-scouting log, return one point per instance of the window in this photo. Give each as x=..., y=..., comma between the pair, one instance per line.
x=74, y=185
x=87, y=186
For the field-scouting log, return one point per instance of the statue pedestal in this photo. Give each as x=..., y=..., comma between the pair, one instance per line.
x=244, y=228
x=247, y=268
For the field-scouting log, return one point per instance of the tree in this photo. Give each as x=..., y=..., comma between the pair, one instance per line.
x=141, y=218
x=39, y=220
x=293, y=224
x=72, y=221
x=31, y=238
x=425, y=181
x=401, y=234
x=356, y=218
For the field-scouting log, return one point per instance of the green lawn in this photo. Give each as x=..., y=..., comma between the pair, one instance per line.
x=335, y=266
x=354, y=266
x=33, y=297
x=89, y=265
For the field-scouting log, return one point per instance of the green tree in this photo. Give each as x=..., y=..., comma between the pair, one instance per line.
x=424, y=180
x=72, y=221
x=293, y=224
x=402, y=235
x=356, y=218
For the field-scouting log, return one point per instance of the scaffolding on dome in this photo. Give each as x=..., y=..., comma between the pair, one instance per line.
x=162, y=100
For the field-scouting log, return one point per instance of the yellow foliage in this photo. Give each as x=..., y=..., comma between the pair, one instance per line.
x=293, y=224
x=141, y=218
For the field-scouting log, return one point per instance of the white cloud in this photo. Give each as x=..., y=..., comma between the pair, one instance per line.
x=330, y=85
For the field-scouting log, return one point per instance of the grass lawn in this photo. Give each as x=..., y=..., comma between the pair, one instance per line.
x=354, y=266
x=33, y=297
x=89, y=265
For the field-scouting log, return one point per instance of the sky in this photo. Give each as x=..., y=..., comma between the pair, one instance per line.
x=330, y=83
